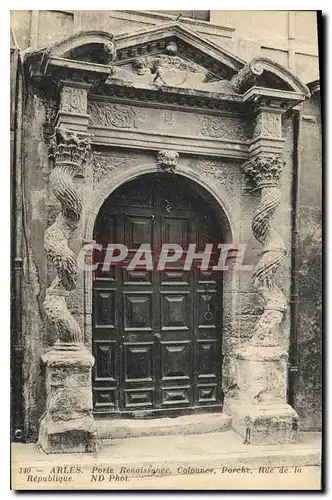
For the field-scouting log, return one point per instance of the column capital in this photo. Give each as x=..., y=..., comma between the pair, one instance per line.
x=264, y=170
x=69, y=148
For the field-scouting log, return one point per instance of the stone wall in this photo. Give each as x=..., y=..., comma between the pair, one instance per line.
x=309, y=383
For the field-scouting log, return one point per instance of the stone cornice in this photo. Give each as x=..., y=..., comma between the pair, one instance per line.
x=199, y=25
x=109, y=67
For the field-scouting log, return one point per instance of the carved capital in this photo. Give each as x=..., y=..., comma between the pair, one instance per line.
x=67, y=148
x=263, y=170
x=167, y=160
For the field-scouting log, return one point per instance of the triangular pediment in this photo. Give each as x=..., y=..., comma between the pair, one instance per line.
x=168, y=55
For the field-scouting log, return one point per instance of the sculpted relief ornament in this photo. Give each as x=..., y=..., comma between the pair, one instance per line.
x=67, y=154
x=167, y=160
x=112, y=115
x=102, y=165
x=264, y=173
x=224, y=128
x=73, y=100
x=220, y=172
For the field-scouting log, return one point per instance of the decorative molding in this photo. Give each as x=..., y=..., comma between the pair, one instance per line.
x=267, y=125
x=112, y=115
x=264, y=172
x=221, y=173
x=248, y=75
x=68, y=152
x=167, y=160
x=74, y=100
x=208, y=99
x=102, y=165
x=224, y=128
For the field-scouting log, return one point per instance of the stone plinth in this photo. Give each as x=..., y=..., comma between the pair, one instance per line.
x=67, y=425
x=259, y=410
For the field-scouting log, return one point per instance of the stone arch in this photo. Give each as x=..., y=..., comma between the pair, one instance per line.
x=120, y=176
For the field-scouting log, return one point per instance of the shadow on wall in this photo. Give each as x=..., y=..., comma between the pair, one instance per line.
x=309, y=383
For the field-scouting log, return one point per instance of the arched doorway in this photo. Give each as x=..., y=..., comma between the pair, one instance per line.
x=157, y=334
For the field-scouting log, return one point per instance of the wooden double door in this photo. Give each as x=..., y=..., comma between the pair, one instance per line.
x=156, y=334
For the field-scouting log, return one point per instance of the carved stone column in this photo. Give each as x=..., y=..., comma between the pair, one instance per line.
x=67, y=424
x=260, y=411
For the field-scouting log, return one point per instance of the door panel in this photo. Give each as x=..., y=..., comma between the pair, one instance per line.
x=156, y=335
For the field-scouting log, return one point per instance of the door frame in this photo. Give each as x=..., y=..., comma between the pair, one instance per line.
x=178, y=187
x=209, y=187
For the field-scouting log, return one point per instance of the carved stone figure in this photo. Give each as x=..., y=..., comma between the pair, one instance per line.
x=110, y=51
x=167, y=160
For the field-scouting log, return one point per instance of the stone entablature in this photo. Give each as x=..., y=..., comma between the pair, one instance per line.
x=180, y=123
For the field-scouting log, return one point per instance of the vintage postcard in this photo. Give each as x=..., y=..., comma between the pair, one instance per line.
x=166, y=326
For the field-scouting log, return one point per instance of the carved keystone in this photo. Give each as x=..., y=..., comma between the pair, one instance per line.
x=167, y=160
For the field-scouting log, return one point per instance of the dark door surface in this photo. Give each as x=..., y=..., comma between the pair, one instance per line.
x=156, y=334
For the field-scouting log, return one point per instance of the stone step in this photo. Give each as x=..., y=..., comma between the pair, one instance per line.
x=183, y=425
x=217, y=460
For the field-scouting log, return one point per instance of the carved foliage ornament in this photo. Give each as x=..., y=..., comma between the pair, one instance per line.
x=102, y=165
x=263, y=170
x=224, y=128
x=221, y=173
x=112, y=115
x=167, y=160
x=267, y=125
x=74, y=100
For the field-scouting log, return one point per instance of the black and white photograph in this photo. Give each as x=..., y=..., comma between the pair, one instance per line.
x=166, y=182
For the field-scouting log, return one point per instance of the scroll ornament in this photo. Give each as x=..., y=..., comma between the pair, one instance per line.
x=247, y=76
x=264, y=172
x=67, y=154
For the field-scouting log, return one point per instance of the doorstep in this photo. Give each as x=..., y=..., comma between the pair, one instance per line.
x=180, y=458
x=187, y=424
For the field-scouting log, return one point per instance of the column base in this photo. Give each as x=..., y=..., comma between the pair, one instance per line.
x=270, y=424
x=67, y=425
x=73, y=436
x=259, y=410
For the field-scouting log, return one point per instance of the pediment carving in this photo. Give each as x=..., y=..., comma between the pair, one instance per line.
x=170, y=69
x=167, y=63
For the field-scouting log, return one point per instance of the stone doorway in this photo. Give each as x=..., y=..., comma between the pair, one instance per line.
x=157, y=334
